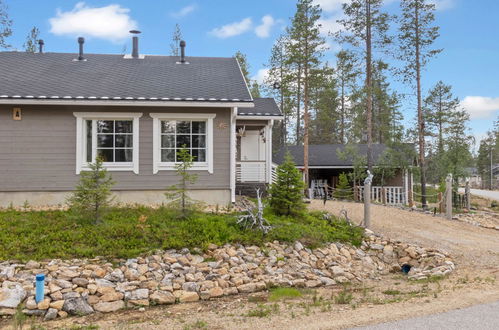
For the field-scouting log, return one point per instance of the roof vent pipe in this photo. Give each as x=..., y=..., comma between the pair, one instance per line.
x=182, y=51
x=81, y=41
x=40, y=46
x=135, y=44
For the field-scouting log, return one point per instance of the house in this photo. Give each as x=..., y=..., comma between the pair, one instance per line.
x=328, y=161
x=59, y=111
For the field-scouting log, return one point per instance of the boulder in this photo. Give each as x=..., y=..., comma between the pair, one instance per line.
x=108, y=307
x=51, y=314
x=162, y=297
x=77, y=306
x=11, y=294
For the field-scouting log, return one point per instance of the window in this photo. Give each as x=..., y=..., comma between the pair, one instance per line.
x=173, y=132
x=111, y=136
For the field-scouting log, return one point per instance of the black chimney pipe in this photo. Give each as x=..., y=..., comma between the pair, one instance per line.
x=135, y=44
x=182, y=51
x=40, y=46
x=81, y=41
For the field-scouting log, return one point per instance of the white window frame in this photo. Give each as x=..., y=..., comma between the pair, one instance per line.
x=81, y=140
x=169, y=166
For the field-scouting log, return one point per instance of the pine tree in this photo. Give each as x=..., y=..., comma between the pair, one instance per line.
x=346, y=75
x=5, y=25
x=93, y=193
x=31, y=40
x=343, y=189
x=176, y=38
x=306, y=48
x=415, y=38
x=242, y=59
x=286, y=193
x=366, y=26
x=177, y=194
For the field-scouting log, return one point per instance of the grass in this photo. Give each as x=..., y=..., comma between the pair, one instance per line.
x=130, y=231
x=263, y=310
x=284, y=293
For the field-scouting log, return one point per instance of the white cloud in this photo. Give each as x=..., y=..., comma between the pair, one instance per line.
x=185, y=11
x=330, y=24
x=480, y=106
x=110, y=22
x=263, y=30
x=260, y=76
x=233, y=29
x=443, y=4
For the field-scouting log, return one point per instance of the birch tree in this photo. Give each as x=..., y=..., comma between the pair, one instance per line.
x=416, y=36
x=176, y=38
x=31, y=40
x=365, y=27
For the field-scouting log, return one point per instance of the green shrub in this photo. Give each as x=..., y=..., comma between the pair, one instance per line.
x=286, y=193
x=343, y=189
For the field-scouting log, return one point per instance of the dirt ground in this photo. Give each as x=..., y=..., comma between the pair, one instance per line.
x=476, y=253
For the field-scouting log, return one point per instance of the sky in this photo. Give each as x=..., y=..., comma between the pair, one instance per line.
x=469, y=37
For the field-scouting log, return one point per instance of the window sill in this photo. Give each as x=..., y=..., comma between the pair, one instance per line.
x=125, y=167
x=171, y=167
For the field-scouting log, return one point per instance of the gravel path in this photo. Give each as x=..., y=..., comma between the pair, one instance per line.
x=472, y=246
x=480, y=317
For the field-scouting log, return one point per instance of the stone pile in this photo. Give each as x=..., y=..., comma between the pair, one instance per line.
x=81, y=287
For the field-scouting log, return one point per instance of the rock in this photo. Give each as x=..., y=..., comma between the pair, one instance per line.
x=104, y=283
x=77, y=306
x=108, y=307
x=247, y=288
x=83, y=282
x=190, y=286
x=44, y=304
x=32, y=265
x=68, y=274
x=298, y=246
x=112, y=296
x=33, y=312
x=137, y=294
x=92, y=300
x=62, y=314
x=51, y=314
x=63, y=284
x=377, y=247
x=216, y=292
x=99, y=272
x=162, y=297
x=30, y=303
x=11, y=294
x=337, y=270
x=312, y=283
x=139, y=302
x=188, y=296
x=57, y=304
x=10, y=311
x=7, y=272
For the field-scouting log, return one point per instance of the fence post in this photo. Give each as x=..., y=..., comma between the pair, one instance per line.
x=367, y=199
x=440, y=203
x=448, y=192
x=383, y=195
x=467, y=193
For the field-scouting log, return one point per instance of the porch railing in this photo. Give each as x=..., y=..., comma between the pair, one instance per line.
x=385, y=195
x=251, y=171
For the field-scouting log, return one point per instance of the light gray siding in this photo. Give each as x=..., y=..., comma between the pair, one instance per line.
x=38, y=153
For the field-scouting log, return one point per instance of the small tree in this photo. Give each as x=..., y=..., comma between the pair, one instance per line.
x=31, y=40
x=286, y=194
x=343, y=189
x=93, y=193
x=178, y=193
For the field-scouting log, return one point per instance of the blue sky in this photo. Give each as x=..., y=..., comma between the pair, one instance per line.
x=469, y=36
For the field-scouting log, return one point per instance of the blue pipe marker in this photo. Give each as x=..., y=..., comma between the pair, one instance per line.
x=40, y=287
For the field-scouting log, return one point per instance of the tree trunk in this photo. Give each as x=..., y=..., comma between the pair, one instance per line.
x=420, y=111
x=368, y=85
x=284, y=123
x=342, y=131
x=306, y=118
x=298, y=99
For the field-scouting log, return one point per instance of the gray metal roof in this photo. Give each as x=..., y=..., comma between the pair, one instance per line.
x=112, y=77
x=263, y=107
x=327, y=154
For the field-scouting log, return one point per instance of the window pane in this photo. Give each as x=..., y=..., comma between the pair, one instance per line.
x=183, y=141
x=106, y=155
x=168, y=141
x=123, y=126
x=183, y=127
x=198, y=141
x=199, y=155
x=198, y=127
x=105, y=126
x=105, y=141
x=167, y=127
x=123, y=155
x=88, y=125
x=168, y=155
x=123, y=141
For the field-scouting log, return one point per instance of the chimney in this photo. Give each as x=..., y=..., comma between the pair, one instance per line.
x=135, y=44
x=40, y=46
x=81, y=41
x=182, y=51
